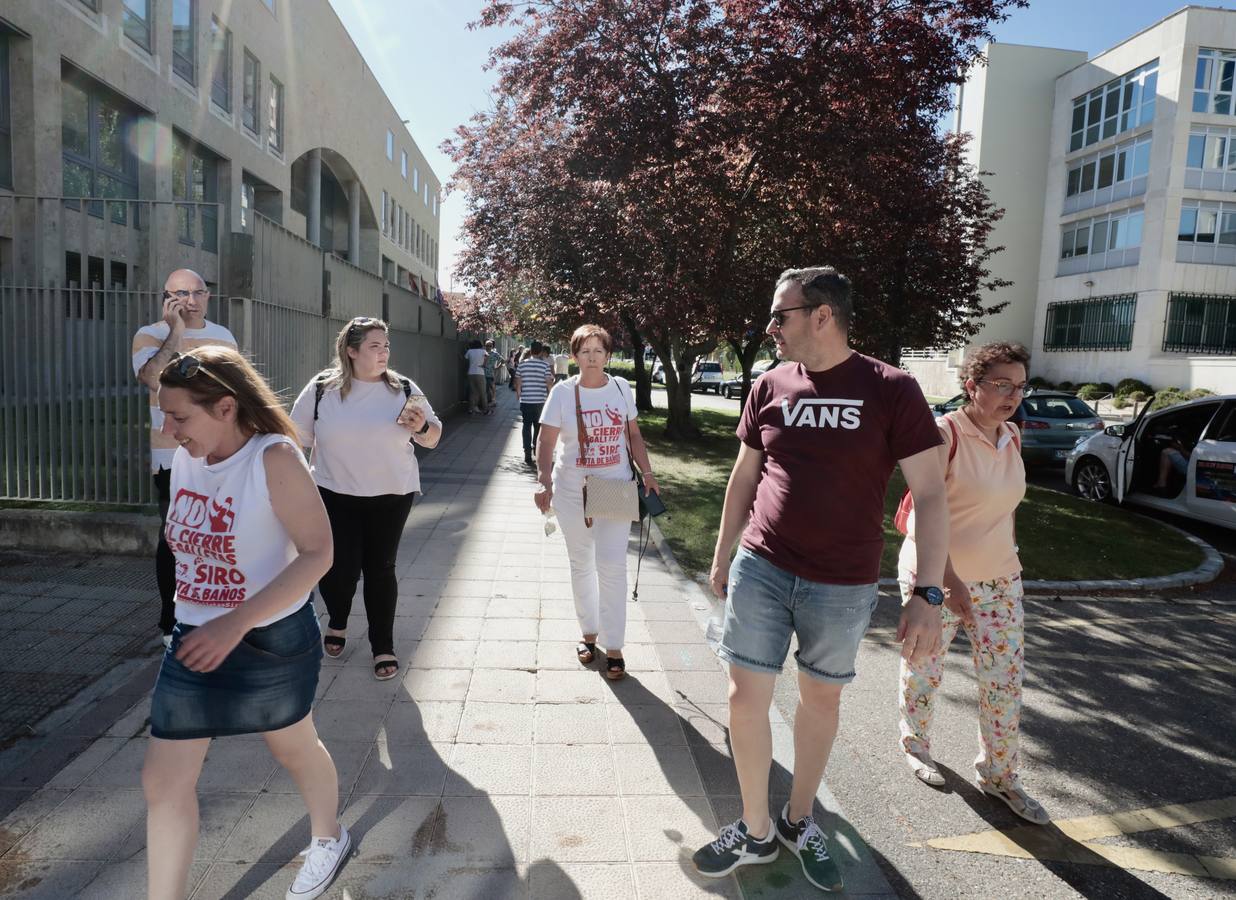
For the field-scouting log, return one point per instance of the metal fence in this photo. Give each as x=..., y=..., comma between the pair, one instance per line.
x=1100, y=323
x=1200, y=323
x=74, y=421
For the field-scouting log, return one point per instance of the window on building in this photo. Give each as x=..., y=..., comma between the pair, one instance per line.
x=390, y=145
x=1207, y=233
x=270, y=4
x=274, y=118
x=1210, y=161
x=1200, y=323
x=252, y=91
x=416, y=179
x=1213, y=82
x=6, y=127
x=1104, y=242
x=1119, y=172
x=435, y=206
x=195, y=181
x=137, y=22
x=426, y=192
x=221, y=65
x=385, y=229
x=1098, y=323
x=98, y=155
x=184, y=39
x=403, y=163
x=92, y=5
x=1122, y=104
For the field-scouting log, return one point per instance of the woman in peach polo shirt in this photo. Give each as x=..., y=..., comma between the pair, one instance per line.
x=986, y=481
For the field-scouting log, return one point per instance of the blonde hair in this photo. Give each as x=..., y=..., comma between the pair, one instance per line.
x=352, y=336
x=222, y=372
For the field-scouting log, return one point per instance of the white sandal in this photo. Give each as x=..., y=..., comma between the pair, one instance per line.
x=924, y=767
x=1018, y=801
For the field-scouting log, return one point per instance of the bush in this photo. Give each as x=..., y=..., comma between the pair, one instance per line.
x=1127, y=386
x=1094, y=391
x=1199, y=393
x=1065, y=386
x=1136, y=396
x=1121, y=403
x=1041, y=383
x=1168, y=397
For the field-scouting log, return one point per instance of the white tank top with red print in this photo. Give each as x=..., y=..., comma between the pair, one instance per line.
x=228, y=542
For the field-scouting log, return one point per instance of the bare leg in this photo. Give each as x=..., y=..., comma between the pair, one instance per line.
x=815, y=728
x=298, y=750
x=751, y=740
x=169, y=780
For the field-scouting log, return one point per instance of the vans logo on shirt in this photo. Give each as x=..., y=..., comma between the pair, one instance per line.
x=814, y=412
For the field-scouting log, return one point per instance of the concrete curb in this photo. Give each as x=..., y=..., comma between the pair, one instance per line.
x=1209, y=570
x=704, y=607
x=128, y=534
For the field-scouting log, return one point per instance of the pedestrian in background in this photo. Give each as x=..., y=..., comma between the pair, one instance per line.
x=477, y=395
x=820, y=435
x=183, y=328
x=533, y=380
x=250, y=539
x=594, y=417
x=493, y=359
x=562, y=366
x=512, y=363
x=985, y=480
x=360, y=419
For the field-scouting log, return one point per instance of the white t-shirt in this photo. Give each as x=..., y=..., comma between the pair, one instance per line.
x=358, y=449
x=476, y=361
x=562, y=364
x=228, y=542
x=606, y=411
x=146, y=344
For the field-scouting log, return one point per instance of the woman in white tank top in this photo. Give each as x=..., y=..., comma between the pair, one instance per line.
x=251, y=539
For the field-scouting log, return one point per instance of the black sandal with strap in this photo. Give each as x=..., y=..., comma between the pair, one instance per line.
x=615, y=668
x=586, y=652
x=333, y=645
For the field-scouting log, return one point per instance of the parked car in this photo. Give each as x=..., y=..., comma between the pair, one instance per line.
x=1121, y=463
x=1051, y=422
x=733, y=387
x=707, y=376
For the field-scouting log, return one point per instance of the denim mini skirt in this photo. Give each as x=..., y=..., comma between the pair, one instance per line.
x=266, y=683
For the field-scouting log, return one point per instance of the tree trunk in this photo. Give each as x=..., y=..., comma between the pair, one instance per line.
x=746, y=354
x=643, y=378
x=679, y=426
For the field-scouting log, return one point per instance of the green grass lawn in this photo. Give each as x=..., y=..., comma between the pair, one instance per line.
x=1061, y=537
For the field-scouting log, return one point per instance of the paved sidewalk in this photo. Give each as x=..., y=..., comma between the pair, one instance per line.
x=497, y=767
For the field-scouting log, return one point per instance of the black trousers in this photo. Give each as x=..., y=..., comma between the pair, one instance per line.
x=366, y=531
x=531, y=413
x=165, y=560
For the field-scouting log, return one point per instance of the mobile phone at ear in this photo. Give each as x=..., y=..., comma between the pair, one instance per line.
x=652, y=501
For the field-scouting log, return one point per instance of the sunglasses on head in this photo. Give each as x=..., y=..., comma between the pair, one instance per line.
x=187, y=366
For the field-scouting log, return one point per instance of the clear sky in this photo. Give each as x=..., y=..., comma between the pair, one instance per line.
x=432, y=66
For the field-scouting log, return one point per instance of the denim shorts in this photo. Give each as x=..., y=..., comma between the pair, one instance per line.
x=265, y=684
x=765, y=605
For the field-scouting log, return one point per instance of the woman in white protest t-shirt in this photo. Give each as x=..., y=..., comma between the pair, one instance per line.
x=360, y=419
x=598, y=553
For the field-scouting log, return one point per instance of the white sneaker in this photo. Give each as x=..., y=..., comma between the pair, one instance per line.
x=323, y=858
x=924, y=767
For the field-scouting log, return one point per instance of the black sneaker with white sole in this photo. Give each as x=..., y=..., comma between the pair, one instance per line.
x=806, y=841
x=734, y=847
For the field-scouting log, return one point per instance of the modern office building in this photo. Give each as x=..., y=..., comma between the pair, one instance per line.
x=263, y=107
x=1136, y=244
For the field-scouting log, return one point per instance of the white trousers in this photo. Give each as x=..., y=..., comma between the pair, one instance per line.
x=598, y=558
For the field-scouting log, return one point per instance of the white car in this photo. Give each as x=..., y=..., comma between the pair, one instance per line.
x=1122, y=462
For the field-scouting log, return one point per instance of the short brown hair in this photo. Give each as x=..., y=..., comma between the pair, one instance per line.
x=584, y=332
x=224, y=372
x=980, y=360
x=824, y=286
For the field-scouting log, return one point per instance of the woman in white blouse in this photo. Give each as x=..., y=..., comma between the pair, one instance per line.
x=361, y=419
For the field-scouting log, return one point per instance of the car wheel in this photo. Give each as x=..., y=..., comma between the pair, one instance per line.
x=1091, y=480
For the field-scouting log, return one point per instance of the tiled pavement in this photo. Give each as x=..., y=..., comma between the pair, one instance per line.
x=496, y=767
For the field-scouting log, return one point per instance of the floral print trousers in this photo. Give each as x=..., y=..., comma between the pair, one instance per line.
x=996, y=645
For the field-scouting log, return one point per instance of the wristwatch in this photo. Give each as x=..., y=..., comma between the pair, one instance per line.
x=933, y=595
x=424, y=428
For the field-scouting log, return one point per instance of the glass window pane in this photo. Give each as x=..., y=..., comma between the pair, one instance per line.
x=1087, y=177
x=1223, y=104
x=1074, y=183
x=78, y=180
x=1092, y=134
x=1122, y=164
x=1215, y=147
x=1133, y=234
x=74, y=120
x=199, y=179
x=1075, y=141
x=1200, y=101
x=1148, y=93
x=1196, y=154
x=182, y=38
x=221, y=76
x=1109, y=127
x=251, y=89
x=180, y=178
x=1115, y=235
x=1207, y=225
x=1226, y=70
x=1107, y=171
x=1081, y=245
x=1188, y=224
x=1141, y=159
x=1227, y=235
x=111, y=138
x=1201, y=79
x=137, y=21
x=1094, y=112
x=1100, y=236
x=1079, y=115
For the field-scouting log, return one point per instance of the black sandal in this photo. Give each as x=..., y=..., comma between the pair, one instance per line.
x=385, y=664
x=615, y=668
x=333, y=645
x=586, y=652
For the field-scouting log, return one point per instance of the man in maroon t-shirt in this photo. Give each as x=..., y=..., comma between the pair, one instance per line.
x=820, y=437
